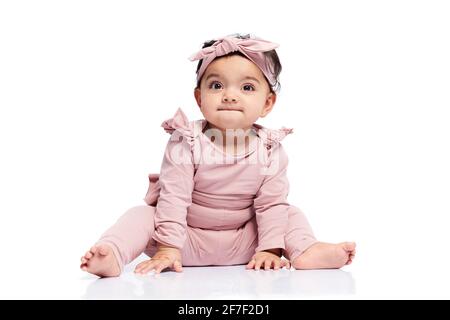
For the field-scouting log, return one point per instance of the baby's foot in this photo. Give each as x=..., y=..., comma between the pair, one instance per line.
x=100, y=260
x=326, y=256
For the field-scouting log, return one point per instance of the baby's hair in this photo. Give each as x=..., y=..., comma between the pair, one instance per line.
x=271, y=55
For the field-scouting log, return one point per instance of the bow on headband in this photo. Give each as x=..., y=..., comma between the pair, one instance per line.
x=251, y=48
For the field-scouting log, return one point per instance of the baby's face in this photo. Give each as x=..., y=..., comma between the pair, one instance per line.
x=233, y=93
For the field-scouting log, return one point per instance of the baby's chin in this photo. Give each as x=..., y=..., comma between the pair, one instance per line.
x=224, y=124
x=231, y=120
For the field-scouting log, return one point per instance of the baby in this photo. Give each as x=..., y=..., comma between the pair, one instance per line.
x=221, y=195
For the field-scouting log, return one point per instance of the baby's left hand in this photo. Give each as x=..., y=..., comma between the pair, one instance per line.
x=268, y=260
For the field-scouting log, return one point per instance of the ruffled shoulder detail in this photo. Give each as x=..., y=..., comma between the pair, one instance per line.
x=180, y=124
x=272, y=137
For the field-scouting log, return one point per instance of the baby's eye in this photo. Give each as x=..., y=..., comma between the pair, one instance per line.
x=215, y=85
x=248, y=87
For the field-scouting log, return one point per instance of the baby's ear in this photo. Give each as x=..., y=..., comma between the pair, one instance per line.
x=198, y=97
x=270, y=102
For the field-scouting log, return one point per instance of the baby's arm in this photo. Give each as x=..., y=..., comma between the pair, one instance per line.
x=271, y=209
x=177, y=183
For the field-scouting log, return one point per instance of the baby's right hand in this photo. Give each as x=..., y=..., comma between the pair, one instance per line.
x=165, y=257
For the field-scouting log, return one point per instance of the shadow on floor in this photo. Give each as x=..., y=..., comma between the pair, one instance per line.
x=230, y=282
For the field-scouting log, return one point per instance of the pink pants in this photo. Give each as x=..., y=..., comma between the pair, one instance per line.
x=132, y=235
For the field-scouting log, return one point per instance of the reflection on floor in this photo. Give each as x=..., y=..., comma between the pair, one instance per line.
x=231, y=282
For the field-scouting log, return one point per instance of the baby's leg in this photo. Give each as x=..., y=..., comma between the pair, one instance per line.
x=305, y=252
x=237, y=246
x=207, y=247
x=121, y=243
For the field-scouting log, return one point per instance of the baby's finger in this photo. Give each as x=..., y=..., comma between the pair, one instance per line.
x=276, y=264
x=258, y=264
x=156, y=264
x=161, y=266
x=267, y=264
x=149, y=267
x=140, y=266
x=177, y=266
x=285, y=263
x=144, y=266
x=251, y=264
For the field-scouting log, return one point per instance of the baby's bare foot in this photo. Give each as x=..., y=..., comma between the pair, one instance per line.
x=326, y=256
x=100, y=260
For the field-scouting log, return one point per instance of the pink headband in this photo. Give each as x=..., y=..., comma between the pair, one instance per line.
x=252, y=48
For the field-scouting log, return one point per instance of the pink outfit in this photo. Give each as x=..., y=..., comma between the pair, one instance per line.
x=215, y=212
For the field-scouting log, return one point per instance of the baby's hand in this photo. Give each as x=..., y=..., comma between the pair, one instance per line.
x=268, y=260
x=165, y=257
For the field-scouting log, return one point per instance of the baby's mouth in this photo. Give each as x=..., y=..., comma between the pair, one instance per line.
x=229, y=109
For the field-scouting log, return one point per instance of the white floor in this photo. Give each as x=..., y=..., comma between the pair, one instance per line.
x=358, y=281
x=377, y=273
x=232, y=282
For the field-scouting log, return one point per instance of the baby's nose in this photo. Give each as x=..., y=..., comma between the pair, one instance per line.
x=229, y=98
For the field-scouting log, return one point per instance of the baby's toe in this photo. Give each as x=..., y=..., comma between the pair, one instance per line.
x=103, y=250
x=349, y=246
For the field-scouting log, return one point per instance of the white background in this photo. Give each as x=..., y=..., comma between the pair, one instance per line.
x=85, y=85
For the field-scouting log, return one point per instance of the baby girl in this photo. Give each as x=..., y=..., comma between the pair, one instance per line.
x=220, y=197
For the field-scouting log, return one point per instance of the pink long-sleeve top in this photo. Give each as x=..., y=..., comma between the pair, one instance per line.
x=202, y=186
